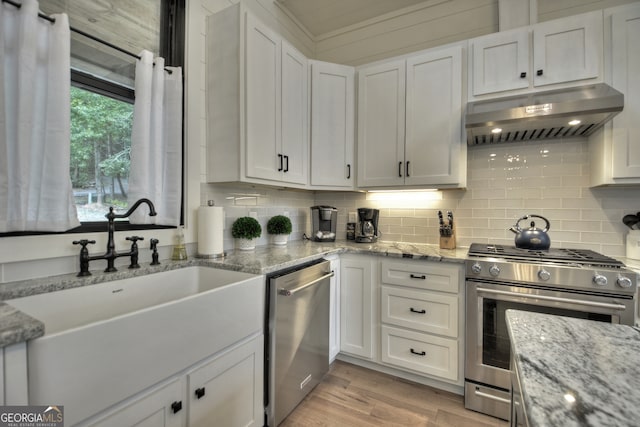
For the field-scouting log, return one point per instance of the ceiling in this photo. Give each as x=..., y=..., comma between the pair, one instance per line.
x=325, y=16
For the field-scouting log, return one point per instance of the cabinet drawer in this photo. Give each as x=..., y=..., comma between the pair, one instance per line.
x=424, y=311
x=420, y=352
x=427, y=275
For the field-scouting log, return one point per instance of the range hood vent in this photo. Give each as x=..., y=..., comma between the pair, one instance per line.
x=542, y=115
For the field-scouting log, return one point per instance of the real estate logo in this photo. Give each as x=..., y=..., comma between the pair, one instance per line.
x=32, y=416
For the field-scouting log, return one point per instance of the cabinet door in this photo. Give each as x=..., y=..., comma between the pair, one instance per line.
x=567, y=49
x=434, y=118
x=500, y=62
x=625, y=71
x=262, y=107
x=157, y=408
x=356, y=307
x=294, y=118
x=332, y=121
x=381, y=107
x=228, y=390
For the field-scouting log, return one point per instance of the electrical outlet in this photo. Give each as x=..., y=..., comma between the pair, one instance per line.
x=253, y=214
x=353, y=217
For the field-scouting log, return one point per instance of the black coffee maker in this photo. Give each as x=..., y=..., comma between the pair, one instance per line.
x=368, y=226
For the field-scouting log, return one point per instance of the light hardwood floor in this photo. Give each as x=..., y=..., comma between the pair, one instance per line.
x=354, y=396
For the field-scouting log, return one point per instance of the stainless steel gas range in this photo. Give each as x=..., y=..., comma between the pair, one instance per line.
x=567, y=282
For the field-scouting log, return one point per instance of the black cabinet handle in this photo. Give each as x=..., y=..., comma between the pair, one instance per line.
x=415, y=276
x=539, y=72
x=523, y=75
x=280, y=168
x=418, y=353
x=286, y=168
x=400, y=169
x=348, y=171
x=413, y=310
x=176, y=407
x=407, y=170
x=200, y=392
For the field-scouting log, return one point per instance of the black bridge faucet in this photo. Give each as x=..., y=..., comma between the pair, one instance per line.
x=111, y=253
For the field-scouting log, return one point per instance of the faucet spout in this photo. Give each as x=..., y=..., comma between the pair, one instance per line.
x=152, y=210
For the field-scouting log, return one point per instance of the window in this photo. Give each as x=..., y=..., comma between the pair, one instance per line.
x=102, y=93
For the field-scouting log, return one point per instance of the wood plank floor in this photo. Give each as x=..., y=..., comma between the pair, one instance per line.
x=354, y=396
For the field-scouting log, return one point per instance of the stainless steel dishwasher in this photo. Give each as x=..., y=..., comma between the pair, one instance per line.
x=297, y=336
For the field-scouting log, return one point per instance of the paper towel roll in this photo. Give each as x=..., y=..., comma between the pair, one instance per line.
x=210, y=230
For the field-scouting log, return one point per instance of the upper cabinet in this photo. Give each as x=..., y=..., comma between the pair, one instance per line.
x=332, y=126
x=561, y=52
x=614, y=149
x=410, y=122
x=257, y=99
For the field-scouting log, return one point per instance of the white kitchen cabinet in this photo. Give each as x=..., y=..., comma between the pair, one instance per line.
x=421, y=318
x=410, y=122
x=557, y=53
x=334, y=308
x=257, y=103
x=614, y=149
x=332, y=126
x=14, y=387
x=358, y=306
x=228, y=389
x=160, y=407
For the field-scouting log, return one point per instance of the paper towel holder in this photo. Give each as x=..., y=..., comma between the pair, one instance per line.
x=220, y=255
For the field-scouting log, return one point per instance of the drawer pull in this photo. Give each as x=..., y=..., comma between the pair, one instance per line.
x=415, y=276
x=176, y=407
x=413, y=310
x=418, y=353
x=200, y=392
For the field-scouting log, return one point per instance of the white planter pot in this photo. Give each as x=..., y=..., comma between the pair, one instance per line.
x=245, y=244
x=280, y=239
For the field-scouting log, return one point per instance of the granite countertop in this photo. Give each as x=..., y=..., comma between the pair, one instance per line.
x=560, y=359
x=17, y=327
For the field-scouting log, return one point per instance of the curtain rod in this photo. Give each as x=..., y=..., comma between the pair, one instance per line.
x=82, y=33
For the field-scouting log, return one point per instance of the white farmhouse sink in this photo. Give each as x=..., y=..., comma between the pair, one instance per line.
x=105, y=342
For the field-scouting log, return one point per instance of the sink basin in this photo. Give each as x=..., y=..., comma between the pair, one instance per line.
x=105, y=342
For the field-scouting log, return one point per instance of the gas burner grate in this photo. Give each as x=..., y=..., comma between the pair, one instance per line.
x=583, y=257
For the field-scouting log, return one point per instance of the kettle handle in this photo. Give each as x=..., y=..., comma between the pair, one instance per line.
x=548, y=226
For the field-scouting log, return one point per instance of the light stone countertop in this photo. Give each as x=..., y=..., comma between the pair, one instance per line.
x=596, y=363
x=18, y=327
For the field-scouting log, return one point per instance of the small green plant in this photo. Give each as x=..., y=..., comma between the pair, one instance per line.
x=246, y=227
x=279, y=224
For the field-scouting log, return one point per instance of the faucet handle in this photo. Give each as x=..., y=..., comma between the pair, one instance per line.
x=84, y=242
x=134, y=238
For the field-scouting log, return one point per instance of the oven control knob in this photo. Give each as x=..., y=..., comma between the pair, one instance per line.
x=476, y=268
x=494, y=270
x=600, y=280
x=624, y=282
x=544, y=275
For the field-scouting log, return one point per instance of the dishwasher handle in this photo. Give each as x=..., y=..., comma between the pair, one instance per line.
x=292, y=292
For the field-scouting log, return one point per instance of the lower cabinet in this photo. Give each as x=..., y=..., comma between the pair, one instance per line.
x=357, y=305
x=225, y=389
x=404, y=315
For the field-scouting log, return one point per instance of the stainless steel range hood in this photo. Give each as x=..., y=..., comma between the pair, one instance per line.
x=542, y=115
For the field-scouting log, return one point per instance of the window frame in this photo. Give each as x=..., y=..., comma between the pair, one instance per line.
x=172, y=49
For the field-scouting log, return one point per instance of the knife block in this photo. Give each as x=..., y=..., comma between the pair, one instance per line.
x=448, y=242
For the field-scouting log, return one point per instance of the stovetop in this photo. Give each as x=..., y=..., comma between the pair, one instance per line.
x=565, y=256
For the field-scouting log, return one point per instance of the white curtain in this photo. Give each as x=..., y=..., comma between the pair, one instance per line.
x=35, y=185
x=156, y=141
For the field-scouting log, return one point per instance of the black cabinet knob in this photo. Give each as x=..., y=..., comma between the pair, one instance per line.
x=176, y=407
x=539, y=72
x=200, y=392
x=523, y=75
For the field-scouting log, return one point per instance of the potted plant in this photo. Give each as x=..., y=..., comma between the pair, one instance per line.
x=280, y=227
x=245, y=229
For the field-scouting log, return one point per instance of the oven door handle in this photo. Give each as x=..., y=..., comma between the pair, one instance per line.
x=492, y=397
x=618, y=307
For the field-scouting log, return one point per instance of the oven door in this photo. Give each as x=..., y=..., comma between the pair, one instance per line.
x=487, y=340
